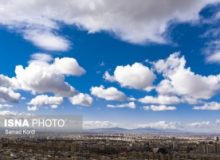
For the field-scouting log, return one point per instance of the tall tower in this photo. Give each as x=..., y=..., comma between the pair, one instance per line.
x=173, y=143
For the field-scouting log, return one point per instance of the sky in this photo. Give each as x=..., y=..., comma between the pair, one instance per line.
x=128, y=64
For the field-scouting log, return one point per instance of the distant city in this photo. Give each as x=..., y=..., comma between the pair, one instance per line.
x=110, y=146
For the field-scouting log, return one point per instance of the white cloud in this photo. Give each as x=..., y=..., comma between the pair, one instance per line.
x=8, y=95
x=108, y=77
x=44, y=100
x=7, y=113
x=202, y=124
x=214, y=58
x=208, y=106
x=135, y=76
x=111, y=93
x=157, y=108
x=81, y=99
x=4, y=106
x=131, y=105
x=161, y=99
x=160, y=125
x=136, y=22
x=180, y=80
x=67, y=66
x=41, y=76
x=131, y=99
x=217, y=121
x=212, y=50
x=98, y=124
x=41, y=57
x=47, y=40
x=32, y=108
x=6, y=81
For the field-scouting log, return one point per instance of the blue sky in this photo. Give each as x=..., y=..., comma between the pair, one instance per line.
x=114, y=66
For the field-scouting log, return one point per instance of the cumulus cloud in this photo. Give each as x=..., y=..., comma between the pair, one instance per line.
x=110, y=94
x=160, y=125
x=180, y=80
x=44, y=100
x=157, y=108
x=161, y=99
x=5, y=81
x=98, y=124
x=208, y=106
x=136, y=22
x=131, y=105
x=8, y=95
x=68, y=66
x=135, y=76
x=43, y=77
x=81, y=99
